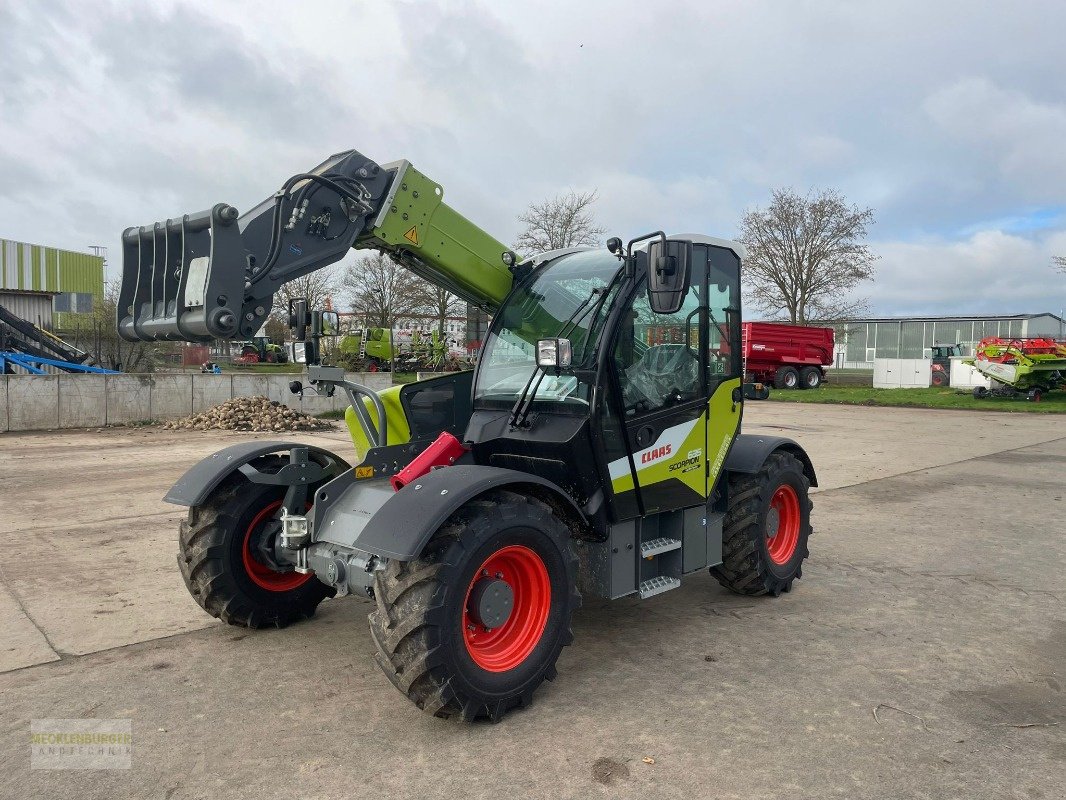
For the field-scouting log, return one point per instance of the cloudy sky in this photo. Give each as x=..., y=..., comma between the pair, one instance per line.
x=948, y=118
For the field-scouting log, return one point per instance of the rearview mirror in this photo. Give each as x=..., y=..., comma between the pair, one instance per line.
x=331, y=323
x=668, y=274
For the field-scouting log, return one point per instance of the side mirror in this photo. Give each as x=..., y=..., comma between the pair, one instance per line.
x=668, y=274
x=298, y=319
x=297, y=352
x=331, y=323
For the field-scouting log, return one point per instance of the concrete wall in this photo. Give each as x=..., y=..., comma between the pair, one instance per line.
x=46, y=402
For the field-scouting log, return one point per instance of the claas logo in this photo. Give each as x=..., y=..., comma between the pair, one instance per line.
x=656, y=454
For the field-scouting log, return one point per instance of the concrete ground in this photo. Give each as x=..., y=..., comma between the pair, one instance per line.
x=922, y=655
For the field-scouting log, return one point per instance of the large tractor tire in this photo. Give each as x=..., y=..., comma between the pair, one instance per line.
x=786, y=378
x=767, y=525
x=220, y=557
x=471, y=628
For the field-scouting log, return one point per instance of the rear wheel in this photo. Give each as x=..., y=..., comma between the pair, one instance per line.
x=224, y=559
x=786, y=378
x=473, y=626
x=767, y=525
x=810, y=378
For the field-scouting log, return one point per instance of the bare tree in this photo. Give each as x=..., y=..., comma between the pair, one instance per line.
x=276, y=328
x=1059, y=263
x=97, y=335
x=440, y=304
x=806, y=255
x=315, y=287
x=380, y=290
x=565, y=220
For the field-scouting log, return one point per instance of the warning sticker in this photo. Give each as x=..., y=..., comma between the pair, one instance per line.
x=412, y=235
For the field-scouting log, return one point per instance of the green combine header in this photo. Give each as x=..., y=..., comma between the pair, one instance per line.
x=1031, y=367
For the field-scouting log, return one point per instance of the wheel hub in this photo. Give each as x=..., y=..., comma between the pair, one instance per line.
x=262, y=545
x=506, y=608
x=257, y=563
x=783, y=520
x=773, y=522
x=491, y=602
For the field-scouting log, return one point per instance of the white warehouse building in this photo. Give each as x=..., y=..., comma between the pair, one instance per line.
x=860, y=341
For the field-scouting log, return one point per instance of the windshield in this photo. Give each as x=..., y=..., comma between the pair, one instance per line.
x=566, y=298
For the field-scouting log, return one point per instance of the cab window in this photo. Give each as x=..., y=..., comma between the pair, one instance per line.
x=724, y=356
x=657, y=356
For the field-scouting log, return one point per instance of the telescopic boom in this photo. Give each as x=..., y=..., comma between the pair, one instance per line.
x=213, y=275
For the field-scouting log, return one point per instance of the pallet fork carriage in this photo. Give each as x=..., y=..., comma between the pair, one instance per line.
x=595, y=449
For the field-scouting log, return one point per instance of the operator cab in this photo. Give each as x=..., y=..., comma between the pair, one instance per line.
x=626, y=398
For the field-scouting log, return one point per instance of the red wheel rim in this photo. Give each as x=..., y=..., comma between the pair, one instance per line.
x=507, y=646
x=262, y=575
x=781, y=540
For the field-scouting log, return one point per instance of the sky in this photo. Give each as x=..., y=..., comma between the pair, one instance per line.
x=947, y=118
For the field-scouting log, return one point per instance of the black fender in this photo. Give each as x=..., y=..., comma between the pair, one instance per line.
x=201, y=479
x=406, y=522
x=749, y=453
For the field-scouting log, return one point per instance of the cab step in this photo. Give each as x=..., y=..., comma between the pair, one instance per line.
x=654, y=547
x=657, y=585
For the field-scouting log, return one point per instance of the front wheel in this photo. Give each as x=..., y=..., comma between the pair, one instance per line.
x=223, y=556
x=472, y=627
x=767, y=525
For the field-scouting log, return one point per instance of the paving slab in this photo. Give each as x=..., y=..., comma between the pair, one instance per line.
x=129, y=398
x=171, y=396
x=4, y=421
x=210, y=390
x=22, y=644
x=850, y=444
x=32, y=402
x=82, y=400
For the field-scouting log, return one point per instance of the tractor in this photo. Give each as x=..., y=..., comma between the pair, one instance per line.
x=260, y=350
x=940, y=368
x=582, y=455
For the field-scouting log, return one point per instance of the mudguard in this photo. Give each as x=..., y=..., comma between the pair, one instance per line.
x=201, y=479
x=749, y=452
x=401, y=526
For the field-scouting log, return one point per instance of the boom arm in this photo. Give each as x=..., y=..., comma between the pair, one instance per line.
x=213, y=275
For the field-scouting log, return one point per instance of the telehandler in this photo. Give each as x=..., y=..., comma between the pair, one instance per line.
x=596, y=447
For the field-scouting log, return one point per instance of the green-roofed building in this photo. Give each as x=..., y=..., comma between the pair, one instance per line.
x=75, y=280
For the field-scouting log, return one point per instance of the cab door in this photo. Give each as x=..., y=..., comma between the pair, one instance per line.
x=660, y=370
x=724, y=362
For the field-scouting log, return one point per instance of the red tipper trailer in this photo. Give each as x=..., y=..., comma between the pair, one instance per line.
x=787, y=356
